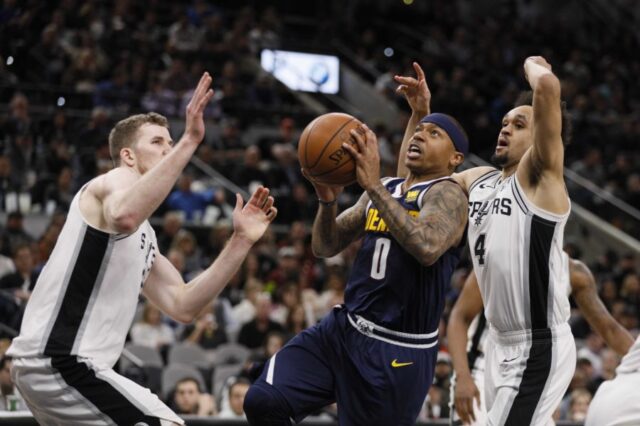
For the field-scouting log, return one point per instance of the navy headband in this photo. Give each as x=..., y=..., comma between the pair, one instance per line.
x=457, y=135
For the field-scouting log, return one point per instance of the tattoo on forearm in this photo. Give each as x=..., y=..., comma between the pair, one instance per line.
x=331, y=234
x=439, y=226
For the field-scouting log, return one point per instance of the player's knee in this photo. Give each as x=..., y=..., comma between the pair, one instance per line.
x=264, y=408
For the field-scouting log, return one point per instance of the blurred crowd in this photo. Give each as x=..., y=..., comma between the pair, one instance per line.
x=114, y=58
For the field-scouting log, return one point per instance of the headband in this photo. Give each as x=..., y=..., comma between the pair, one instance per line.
x=449, y=125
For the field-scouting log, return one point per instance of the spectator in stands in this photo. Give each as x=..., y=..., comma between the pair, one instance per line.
x=186, y=243
x=171, y=224
x=89, y=139
x=22, y=155
x=610, y=361
x=219, y=233
x=245, y=311
x=250, y=174
x=115, y=92
x=10, y=398
x=287, y=269
x=188, y=398
x=20, y=121
x=160, y=99
x=579, y=404
x=209, y=329
x=57, y=194
x=184, y=37
x=177, y=258
x=45, y=245
x=296, y=322
x=9, y=185
x=237, y=392
x=22, y=281
x=287, y=298
x=592, y=350
x=274, y=341
x=191, y=203
x=253, y=333
x=151, y=331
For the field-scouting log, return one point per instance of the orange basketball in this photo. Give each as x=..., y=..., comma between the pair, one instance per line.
x=320, y=149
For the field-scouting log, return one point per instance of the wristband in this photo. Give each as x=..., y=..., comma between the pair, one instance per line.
x=327, y=203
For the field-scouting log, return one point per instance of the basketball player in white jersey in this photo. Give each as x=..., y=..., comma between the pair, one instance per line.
x=77, y=318
x=616, y=401
x=466, y=319
x=516, y=226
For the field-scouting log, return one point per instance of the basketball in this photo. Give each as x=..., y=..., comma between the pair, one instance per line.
x=320, y=149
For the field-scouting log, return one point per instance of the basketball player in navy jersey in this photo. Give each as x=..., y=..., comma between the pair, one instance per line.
x=468, y=357
x=77, y=318
x=516, y=225
x=376, y=354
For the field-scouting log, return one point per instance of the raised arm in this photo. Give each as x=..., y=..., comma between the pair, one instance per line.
x=585, y=293
x=165, y=287
x=418, y=96
x=547, y=152
x=125, y=207
x=467, y=307
x=443, y=216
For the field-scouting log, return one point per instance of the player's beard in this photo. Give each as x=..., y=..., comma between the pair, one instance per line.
x=499, y=160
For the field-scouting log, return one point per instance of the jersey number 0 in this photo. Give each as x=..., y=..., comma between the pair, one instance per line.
x=379, y=261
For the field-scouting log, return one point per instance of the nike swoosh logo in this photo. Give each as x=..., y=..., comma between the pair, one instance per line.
x=509, y=360
x=396, y=364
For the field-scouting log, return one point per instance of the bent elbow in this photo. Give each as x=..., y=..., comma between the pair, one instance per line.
x=428, y=257
x=321, y=252
x=184, y=317
x=125, y=223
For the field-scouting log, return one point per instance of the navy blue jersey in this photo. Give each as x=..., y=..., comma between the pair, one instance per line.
x=388, y=286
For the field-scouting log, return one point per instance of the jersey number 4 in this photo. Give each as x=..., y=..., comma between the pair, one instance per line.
x=379, y=261
x=478, y=249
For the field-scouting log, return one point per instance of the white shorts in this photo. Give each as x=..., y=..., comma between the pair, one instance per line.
x=72, y=391
x=616, y=402
x=527, y=374
x=479, y=411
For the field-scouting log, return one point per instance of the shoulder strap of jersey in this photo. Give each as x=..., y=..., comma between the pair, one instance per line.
x=483, y=178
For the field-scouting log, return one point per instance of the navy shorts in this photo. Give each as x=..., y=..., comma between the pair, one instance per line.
x=377, y=376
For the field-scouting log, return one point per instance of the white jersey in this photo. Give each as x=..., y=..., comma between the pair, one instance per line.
x=517, y=255
x=86, y=296
x=631, y=361
x=616, y=402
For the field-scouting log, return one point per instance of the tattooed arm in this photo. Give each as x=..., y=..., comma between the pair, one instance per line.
x=331, y=235
x=439, y=226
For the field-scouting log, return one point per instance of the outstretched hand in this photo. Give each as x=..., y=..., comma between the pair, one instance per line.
x=194, y=127
x=367, y=156
x=416, y=91
x=251, y=220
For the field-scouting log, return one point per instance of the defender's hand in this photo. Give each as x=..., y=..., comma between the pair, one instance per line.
x=194, y=127
x=416, y=91
x=465, y=392
x=250, y=221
